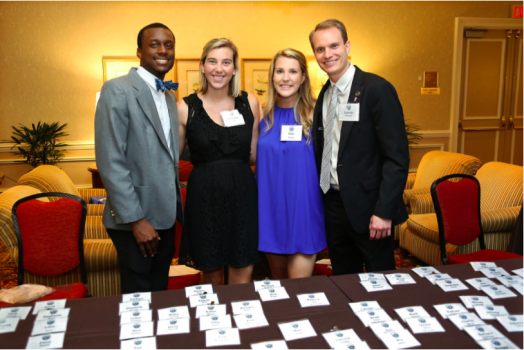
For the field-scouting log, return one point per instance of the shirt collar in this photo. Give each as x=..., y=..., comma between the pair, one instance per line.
x=148, y=77
x=345, y=79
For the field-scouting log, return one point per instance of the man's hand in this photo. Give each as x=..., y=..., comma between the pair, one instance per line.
x=379, y=228
x=146, y=237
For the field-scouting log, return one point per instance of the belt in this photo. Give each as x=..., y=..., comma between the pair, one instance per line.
x=221, y=161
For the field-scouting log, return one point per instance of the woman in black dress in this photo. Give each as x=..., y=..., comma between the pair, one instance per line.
x=221, y=218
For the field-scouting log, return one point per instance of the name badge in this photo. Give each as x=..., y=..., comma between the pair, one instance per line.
x=267, y=283
x=215, y=322
x=136, y=316
x=222, y=337
x=364, y=306
x=276, y=293
x=291, y=133
x=209, y=310
x=400, y=278
x=173, y=326
x=297, y=330
x=312, y=299
x=48, y=305
x=136, y=330
x=139, y=344
x=203, y=299
x=446, y=310
x=471, y=301
x=8, y=325
x=51, y=314
x=347, y=336
x=349, y=112
x=424, y=325
x=232, y=118
x=49, y=326
x=275, y=344
x=242, y=307
x=21, y=311
x=46, y=341
x=411, y=311
x=251, y=320
x=173, y=312
x=136, y=297
x=200, y=289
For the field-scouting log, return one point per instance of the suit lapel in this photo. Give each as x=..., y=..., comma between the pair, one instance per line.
x=173, y=118
x=318, y=125
x=355, y=96
x=145, y=99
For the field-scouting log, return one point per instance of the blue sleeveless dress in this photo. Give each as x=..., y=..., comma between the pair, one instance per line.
x=290, y=208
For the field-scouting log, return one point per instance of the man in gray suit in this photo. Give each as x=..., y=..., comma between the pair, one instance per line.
x=136, y=138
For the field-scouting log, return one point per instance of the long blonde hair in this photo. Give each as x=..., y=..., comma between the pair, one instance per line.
x=304, y=104
x=234, y=84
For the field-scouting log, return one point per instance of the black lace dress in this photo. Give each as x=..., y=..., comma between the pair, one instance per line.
x=221, y=220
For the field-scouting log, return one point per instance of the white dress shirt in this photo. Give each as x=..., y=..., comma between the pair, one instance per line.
x=344, y=86
x=160, y=102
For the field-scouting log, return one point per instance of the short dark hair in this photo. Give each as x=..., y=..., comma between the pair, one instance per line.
x=330, y=23
x=152, y=25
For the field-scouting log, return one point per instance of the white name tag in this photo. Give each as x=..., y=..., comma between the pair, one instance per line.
x=400, y=278
x=136, y=330
x=497, y=343
x=490, y=312
x=451, y=285
x=46, y=341
x=376, y=285
x=269, y=294
x=275, y=345
x=373, y=316
x=437, y=277
x=509, y=281
x=471, y=301
x=347, y=336
x=478, y=283
x=136, y=316
x=313, y=299
x=136, y=297
x=215, y=322
x=400, y=339
x=477, y=265
x=492, y=272
x=21, y=312
x=208, y=310
x=385, y=327
x=364, y=306
x=358, y=345
x=465, y=320
x=173, y=326
x=200, y=289
x=519, y=272
x=446, y=310
x=241, y=307
x=411, y=311
x=133, y=306
x=266, y=284
x=139, y=344
x=424, y=325
x=222, y=337
x=51, y=314
x=204, y=299
x=291, y=133
x=512, y=323
x=425, y=271
x=49, y=326
x=483, y=332
x=297, y=330
x=8, y=325
x=232, y=118
x=371, y=276
x=173, y=312
x=251, y=320
x=349, y=112
x=498, y=292
x=48, y=305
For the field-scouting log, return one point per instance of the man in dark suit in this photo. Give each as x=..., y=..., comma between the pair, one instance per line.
x=136, y=134
x=362, y=157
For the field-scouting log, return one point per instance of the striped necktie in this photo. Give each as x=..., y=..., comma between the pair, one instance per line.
x=325, y=172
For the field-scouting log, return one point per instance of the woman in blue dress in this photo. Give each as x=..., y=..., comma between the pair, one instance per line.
x=290, y=209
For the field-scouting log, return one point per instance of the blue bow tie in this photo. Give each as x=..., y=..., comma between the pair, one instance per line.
x=163, y=85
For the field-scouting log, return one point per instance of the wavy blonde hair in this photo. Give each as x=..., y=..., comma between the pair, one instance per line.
x=234, y=84
x=304, y=104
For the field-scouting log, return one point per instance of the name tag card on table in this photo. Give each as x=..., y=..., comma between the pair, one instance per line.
x=364, y=306
x=466, y=320
x=136, y=316
x=517, y=287
x=497, y=343
x=241, y=307
x=273, y=344
x=355, y=345
x=136, y=330
x=210, y=310
x=512, y=323
x=203, y=299
x=371, y=276
x=49, y=326
x=48, y=305
x=376, y=285
x=478, y=283
x=181, y=311
x=139, y=344
x=313, y=299
x=136, y=297
x=173, y=326
x=492, y=272
x=21, y=311
x=264, y=284
x=446, y=310
x=46, y=341
x=222, y=337
x=424, y=325
x=498, y=292
x=200, y=289
x=519, y=272
x=341, y=337
x=297, y=330
x=276, y=293
x=470, y=301
x=385, y=327
x=401, y=339
x=478, y=265
x=8, y=325
x=483, y=332
x=451, y=285
x=509, y=281
x=438, y=277
x=51, y=314
x=425, y=271
x=291, y=133
x=133, y=306
x=250, y=320
x=411, y=311
x=490, y=312
x=373, y=316
x=400, y=278
x=215, y=322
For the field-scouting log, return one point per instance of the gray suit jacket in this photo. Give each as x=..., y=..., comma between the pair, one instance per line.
x=139, y=172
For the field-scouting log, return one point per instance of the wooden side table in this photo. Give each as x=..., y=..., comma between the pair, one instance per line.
x=95, y=176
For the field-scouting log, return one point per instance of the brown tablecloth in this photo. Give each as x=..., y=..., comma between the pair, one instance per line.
x=95, y=323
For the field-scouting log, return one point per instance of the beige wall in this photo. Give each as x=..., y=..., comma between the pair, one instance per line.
x=51, y=52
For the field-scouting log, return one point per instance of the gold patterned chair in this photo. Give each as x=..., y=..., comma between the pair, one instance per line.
x=501, y=201
x=103, y=272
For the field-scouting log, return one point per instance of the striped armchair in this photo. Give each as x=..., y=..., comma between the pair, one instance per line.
x=103, y=272
x=501, y=200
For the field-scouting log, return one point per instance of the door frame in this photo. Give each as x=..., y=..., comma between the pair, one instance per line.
x=460, y=24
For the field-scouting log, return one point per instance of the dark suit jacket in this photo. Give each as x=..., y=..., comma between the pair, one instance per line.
x=373, y=157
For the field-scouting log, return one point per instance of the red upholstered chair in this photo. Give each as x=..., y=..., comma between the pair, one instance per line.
x=50, y=242
x=457, y=205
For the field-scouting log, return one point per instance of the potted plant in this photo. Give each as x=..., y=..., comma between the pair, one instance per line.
x=411, y=133
x=39, y=145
